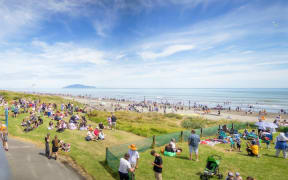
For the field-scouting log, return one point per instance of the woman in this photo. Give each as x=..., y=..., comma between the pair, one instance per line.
x=281, y=145
x=47, y=149
x=55, y=146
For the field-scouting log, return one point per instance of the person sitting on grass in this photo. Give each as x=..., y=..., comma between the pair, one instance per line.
x=101, y=135
x=252, y=148
x=238, y=177
x=23, y=123
x=101, y=125
x=50, y=125
x=96, y=132
x=173, y=145
x=90, y=136
x=230, y=176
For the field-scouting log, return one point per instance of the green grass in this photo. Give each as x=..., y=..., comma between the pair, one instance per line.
x=149, y=124
x=91, y=155
x=266, y=167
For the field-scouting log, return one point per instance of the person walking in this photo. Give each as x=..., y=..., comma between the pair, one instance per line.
x=47, y=148
x=193, y=142
x=281, y=145
x=157, y=165
x=125, y=167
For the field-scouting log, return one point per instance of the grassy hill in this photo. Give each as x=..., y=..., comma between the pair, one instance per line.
x=91, y=155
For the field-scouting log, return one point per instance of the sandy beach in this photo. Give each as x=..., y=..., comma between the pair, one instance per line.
x=110, y=105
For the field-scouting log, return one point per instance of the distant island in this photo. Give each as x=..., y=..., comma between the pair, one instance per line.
x=79, y=86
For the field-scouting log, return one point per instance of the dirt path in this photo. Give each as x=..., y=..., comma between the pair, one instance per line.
x=27, y=162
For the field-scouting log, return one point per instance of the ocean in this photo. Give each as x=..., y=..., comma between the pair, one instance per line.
x=272, y=100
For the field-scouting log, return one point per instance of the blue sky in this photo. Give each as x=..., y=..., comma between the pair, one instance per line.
x=144, y=43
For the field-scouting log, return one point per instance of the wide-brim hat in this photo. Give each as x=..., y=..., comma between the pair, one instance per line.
x=133, y=147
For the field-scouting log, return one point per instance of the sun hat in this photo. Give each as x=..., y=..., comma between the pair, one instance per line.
x=237, y=174
x=133, y=147
x=230, y=174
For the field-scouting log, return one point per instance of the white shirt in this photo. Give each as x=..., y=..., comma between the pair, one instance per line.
x=124, y=166
x=173, y=145
x=134, y=155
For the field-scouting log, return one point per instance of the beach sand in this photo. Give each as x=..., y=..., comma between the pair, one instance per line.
x=241, y=116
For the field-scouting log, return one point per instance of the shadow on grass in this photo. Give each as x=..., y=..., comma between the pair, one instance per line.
x=182, y=157
x=269, y=155
x=107, y=168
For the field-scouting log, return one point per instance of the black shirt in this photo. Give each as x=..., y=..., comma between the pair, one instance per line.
x=113, y=118
x=158, y=161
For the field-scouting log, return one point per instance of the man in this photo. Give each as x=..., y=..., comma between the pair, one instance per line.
x=193, y=142
x=134, y=158
x=113, y=119
x=125, y=167
x=158, y=165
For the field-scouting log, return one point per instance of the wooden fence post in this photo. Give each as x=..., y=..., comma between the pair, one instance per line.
x=153, y=142
x=181, y=137
x=201, y=132
x=106, y=159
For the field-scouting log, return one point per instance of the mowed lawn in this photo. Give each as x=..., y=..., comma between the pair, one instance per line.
x=267, y=167
x=89, y=155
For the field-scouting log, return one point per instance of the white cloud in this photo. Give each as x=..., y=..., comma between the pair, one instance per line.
x=167, y=51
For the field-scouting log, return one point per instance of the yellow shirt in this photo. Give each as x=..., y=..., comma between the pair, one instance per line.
x=255, y=149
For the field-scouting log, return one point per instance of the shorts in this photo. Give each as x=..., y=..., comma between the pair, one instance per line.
x=238, y=145
x=193, y=149
x=113, y=123
x=158, y=176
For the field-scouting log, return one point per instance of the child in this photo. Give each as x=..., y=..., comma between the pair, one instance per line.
x=232, y=143
x=109, y=122
x=238, y=143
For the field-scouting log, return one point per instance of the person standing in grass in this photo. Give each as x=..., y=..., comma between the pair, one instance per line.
x=113, y=119
x=55, y=146
x=193, y=143
x=281, y=145
x=125, y=167
x=47, y=148
x=157, y=165
x=134, y=157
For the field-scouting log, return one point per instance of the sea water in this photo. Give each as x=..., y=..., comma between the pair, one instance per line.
x=270, y=99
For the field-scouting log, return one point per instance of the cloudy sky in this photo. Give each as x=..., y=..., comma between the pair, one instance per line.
x=144, y=43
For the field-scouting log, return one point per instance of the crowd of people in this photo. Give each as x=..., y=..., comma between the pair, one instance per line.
x=129, y=163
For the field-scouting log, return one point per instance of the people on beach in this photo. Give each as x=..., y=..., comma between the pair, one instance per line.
x=157, y=165
x=193, y=143
x=125, y=167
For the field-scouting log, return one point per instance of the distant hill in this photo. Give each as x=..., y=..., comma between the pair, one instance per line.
x=79, y=86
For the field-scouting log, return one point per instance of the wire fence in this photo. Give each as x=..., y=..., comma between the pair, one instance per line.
x=114, y=153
